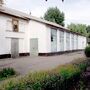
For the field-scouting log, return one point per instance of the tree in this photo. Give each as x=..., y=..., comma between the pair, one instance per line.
x=54, y=15
x=80, y=28
x=88, y=30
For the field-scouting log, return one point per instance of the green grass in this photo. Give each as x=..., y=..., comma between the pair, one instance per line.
x=60, y=78
x=6, y=73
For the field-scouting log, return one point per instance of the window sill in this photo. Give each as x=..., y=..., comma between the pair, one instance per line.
x=14, y=32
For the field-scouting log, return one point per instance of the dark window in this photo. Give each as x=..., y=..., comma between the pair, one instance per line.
x=15, y=23
x=51, y=38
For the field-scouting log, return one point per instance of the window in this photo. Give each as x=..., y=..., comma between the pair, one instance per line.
x=53, y=40
x=15, y=23
x=77, y=42
x=51, y=37
x=61, y=41
x=72, y=38
x=67, y=41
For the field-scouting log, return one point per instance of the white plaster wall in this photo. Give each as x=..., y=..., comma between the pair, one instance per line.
x=38, y=30
x=28, y=30
x=6, y=33
x=81, y=42
x=84, y=42
x=2, y=34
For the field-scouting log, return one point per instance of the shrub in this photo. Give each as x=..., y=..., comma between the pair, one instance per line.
x=83, y=66
x=6, y=72
x=69, y=71
x=60, y=78
x=87, y=51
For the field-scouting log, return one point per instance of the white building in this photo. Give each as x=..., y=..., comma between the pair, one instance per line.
x=22, y=34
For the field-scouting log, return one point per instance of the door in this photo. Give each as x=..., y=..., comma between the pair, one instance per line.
x=14, y=48
x=53, y=40
x=34, y=47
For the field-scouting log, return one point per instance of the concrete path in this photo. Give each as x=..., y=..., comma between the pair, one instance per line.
x=29, y=64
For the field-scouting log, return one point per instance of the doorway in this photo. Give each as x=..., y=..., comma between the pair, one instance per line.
x=34, y=47
x=14, y=47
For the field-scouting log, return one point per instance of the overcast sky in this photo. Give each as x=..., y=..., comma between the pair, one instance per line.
x=76, y=11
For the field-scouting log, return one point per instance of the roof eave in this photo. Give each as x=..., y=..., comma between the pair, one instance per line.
x=24, y=18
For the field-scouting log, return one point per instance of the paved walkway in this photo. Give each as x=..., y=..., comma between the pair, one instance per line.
x=27, y=64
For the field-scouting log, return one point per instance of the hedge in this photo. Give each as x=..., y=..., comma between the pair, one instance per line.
x=87, y=51
x=60, y=78
x=6, y=73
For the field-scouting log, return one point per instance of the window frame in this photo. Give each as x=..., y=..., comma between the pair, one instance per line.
x=15, y=20
x=61, y=40
x=67, y=41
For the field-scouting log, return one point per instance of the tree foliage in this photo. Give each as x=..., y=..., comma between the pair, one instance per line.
x=80, y=28
x=54, y=15
x=88, y=30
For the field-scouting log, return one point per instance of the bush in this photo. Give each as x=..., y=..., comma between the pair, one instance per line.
x=60, y=78
x=7, y=72
x=69, y=71
x=83, y=66
x=87, y=51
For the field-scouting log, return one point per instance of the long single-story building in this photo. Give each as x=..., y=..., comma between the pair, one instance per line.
x=22, y=34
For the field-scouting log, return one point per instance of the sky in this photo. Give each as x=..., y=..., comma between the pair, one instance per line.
x=76, y=11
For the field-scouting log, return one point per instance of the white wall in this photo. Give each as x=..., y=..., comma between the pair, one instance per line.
x=28, y=30
x=82, y=42
x=38, y=30
x=6, y=33
x=79, y=43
